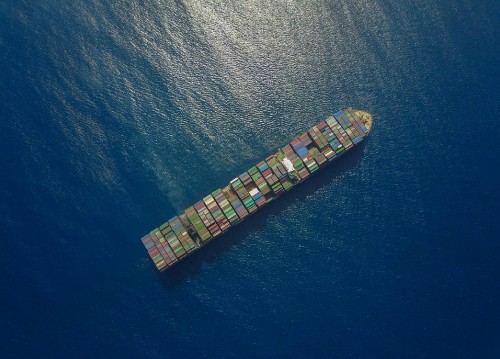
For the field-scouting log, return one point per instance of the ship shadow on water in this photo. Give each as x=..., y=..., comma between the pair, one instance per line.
x=189, y=267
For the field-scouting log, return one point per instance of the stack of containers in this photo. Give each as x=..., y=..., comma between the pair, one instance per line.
x=296, y=161
x=182, y=234
x=240, y=209
x=198, y=224
x=354, y=122
x=279, y=170
x=242, y=192
x=357, y=135
x=245, y=179
x=340, y=133
x=314, y=149
x=166, y=247
x=216, y=212
x=161, y=253
x=333, y=141
x=332, y=125
x=175, y=235
x=207, y=218
x=258, y=197
x=344, y=121
x=300, y=148
x=358, y=120
x=320, y=158
x=306, y=140
x=270, y=177
x=172, y=240
x=277, y=167
x=259, y=181
x=319, y=139
x=154, y=253
x=225, y=206
x=161, y=249
x=248, y=184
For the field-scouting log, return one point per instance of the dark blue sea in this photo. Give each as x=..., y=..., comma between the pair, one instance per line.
x=116, y=115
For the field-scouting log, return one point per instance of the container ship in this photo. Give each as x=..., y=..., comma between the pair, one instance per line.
x=225, y=207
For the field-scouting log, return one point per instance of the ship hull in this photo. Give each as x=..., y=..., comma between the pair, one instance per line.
x=269, y=179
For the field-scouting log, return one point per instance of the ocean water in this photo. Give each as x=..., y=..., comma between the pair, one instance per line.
x=116, y=115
